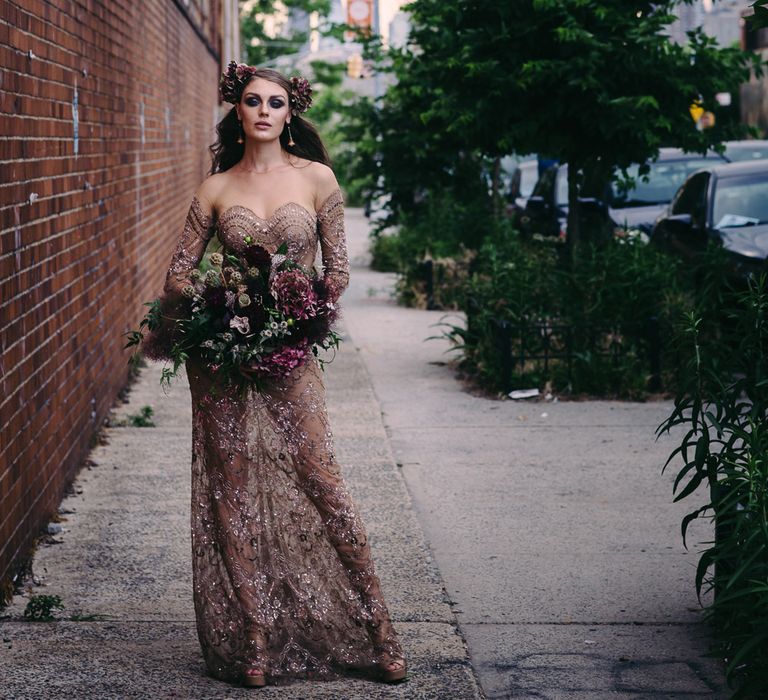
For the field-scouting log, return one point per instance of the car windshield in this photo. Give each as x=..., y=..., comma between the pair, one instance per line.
x=741, y=201
x=664, y=179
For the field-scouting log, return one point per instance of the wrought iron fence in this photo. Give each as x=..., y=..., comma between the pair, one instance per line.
x=519, y=344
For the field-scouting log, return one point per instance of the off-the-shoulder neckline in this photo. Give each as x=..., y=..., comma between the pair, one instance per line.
x=316, y=215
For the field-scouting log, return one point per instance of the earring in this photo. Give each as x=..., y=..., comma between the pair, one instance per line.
x=291, y=142
x=240, y=135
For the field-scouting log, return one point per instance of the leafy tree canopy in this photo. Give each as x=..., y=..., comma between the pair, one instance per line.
x=594, y=83
x=260, y=46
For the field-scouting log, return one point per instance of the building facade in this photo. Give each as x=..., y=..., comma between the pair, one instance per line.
x=107, y=111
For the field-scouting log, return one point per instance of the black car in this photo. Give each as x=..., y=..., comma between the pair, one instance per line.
x=546, y=211
x=727, y=204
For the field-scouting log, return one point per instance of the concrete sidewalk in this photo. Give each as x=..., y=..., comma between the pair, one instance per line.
x=122, y=566
x=550, y=523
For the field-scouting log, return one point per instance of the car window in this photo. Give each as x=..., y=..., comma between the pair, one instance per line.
x=545, y=183
x=692, y=198
x=664, y=179
x=561, y=196
x=741, y=201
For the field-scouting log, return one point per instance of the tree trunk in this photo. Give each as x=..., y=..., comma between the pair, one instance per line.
x=495, y=182
x=573, y=232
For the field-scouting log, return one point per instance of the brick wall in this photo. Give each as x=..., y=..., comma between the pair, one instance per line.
x=107, y=108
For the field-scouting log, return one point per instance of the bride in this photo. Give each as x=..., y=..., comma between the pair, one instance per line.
x=284, y=584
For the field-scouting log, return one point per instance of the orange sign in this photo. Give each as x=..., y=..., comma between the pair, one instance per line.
x=360, y=14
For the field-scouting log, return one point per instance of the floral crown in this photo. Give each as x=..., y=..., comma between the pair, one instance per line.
x=233, y=81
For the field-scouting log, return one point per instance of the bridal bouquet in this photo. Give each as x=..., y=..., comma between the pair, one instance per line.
x=249, y=318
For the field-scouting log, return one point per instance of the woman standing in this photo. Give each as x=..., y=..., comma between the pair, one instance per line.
x=284, y=581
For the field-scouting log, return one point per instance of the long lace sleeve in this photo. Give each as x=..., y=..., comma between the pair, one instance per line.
x=189, y=251
x=333, y=244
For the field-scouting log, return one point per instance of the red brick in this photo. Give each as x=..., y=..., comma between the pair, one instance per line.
x=70, y=238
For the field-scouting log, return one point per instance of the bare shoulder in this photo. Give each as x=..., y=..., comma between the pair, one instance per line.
x=324, y=182
x=209, y=189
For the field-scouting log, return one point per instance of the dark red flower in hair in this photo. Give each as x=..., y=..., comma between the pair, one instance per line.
x=301, y=95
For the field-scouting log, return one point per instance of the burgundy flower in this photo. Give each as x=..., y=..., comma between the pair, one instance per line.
x=256, y=315
x=233, y=80
x=214, y=296
x=257, y=256
x=294, y=294
x=282, y=362
x=300, y=95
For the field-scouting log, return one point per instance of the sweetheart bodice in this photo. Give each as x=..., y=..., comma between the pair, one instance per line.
x=290, y=223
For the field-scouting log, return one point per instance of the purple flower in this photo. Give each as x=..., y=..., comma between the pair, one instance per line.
x=294, y=294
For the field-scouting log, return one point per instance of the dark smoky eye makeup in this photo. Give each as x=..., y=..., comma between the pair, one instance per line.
x=275, y=102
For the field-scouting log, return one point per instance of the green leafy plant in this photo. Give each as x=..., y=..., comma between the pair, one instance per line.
x=39, y=607
x=594, y=318
x=142, y=419
x=722, y=406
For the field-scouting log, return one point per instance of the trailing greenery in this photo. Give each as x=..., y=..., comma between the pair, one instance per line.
x=722, y=406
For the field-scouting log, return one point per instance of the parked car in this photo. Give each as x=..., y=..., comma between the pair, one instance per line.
x=522, y=181
x=736, y=151
x=546, y=211
x=727, y=204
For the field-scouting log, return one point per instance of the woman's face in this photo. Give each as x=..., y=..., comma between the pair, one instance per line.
x=263, y=109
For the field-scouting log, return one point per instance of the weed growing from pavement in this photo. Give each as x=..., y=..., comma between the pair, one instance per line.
x=142, y=419
x=39, y=607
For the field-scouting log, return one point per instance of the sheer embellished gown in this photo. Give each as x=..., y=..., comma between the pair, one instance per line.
x=282, y=570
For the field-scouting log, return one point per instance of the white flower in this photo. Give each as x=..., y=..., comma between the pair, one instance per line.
x=243, y=300
x=240, y=323
x=267, y=333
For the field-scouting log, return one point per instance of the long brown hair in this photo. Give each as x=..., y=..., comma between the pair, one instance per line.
x=226, y=152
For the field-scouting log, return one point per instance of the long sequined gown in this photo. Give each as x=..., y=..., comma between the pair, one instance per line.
x=278, y=546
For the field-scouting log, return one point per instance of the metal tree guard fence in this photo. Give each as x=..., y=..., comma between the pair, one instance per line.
x=519, y=343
